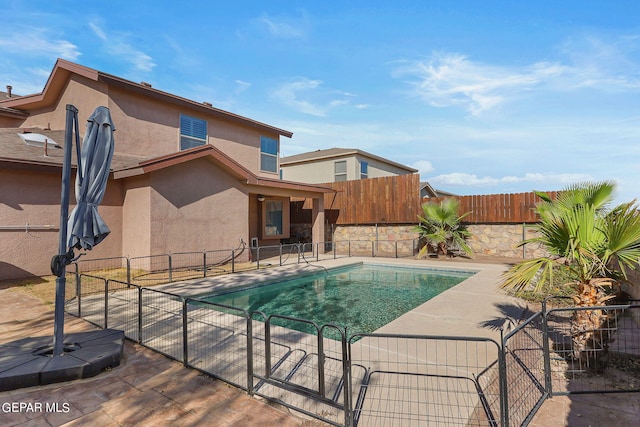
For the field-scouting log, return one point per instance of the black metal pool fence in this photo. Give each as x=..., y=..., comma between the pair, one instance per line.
x=177, y=266
x=365, y=379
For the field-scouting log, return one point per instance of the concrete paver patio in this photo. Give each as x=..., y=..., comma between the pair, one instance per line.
x=147, y=389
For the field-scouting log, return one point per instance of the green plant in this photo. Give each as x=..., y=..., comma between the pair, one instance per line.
x=593, y=245
x=440, y=226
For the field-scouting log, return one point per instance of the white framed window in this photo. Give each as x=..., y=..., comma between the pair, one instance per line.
x=268, y=154
x=193, y=132
x=340, y=170
x=364, y=170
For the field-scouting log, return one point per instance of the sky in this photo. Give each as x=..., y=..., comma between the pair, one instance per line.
x=482, y=97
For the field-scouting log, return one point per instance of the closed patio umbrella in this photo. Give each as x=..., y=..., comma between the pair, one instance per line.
x=85, y=226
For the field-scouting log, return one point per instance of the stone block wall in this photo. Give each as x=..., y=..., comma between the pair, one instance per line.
x=487, y=239
x=503, y=240
x=373, y=232
x=634, y=289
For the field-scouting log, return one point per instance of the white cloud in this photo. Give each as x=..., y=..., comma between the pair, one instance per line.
x=39, y=42
x=241, y=86
x=283, y=28
x=290, y=94
x=448, y=79
x=465, y=179
x=98, y=31
x=586, y=62
x=602, y=63
x=118, y=46
x=424, y=166
x=309, y=96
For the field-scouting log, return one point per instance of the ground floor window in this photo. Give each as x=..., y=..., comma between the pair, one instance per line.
x=275, y=218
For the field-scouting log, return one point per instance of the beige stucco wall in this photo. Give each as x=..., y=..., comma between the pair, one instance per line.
x=136, y=214
x=149, y=127
x=8, y=122
x=322, y=171
x=86, y=95
x=196, y=206
x=28, y=198
x=33, y=197
x=379, y=169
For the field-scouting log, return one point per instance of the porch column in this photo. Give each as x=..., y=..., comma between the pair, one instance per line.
x=317, y=220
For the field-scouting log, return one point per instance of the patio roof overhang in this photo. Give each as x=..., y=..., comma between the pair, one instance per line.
x=255, y=183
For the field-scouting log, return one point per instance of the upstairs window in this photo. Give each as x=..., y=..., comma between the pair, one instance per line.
x=364, y=170
x=268, y=154
x=340, y=170
x=193, y=132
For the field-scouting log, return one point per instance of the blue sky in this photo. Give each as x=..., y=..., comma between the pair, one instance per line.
x=482, y=97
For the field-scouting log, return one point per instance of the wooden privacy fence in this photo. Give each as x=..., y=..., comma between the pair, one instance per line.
x=498, y=208
x=396, y=200
x=386, y=200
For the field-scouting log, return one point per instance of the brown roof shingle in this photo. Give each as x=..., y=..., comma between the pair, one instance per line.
x=13, y=150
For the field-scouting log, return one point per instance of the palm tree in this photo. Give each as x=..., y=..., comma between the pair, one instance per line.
x=594, y=245
x=441, y=227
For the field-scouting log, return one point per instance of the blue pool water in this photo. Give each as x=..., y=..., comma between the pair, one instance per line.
x=361, y=298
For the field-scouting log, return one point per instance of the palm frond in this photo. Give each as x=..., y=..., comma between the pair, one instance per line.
x=528, y=274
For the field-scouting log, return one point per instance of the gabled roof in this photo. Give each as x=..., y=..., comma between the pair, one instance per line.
x=331, y=153
x=10, y=112
x=434, y=192
x=63, y=70
x=16, y=154
x=223, y=161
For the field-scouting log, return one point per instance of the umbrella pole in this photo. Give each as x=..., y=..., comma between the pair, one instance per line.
x=63, y=259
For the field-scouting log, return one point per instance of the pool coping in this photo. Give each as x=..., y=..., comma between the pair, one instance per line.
x=475, y=307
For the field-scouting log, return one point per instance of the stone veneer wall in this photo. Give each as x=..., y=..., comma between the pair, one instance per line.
x=373, y=233
x=503, y=240
x=487, y=239
x=634, y=290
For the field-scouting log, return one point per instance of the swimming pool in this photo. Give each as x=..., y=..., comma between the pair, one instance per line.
x=360, y=298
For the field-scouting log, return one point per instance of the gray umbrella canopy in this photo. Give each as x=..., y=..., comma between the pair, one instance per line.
x=86, y=226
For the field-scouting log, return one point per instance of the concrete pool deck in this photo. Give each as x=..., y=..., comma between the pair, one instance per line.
x=149, y=389
x=474, y=307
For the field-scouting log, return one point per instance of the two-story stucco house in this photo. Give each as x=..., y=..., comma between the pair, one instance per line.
x=338, y=164
x=185, y=175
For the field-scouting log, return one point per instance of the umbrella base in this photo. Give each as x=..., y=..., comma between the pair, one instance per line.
x=28, y=362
